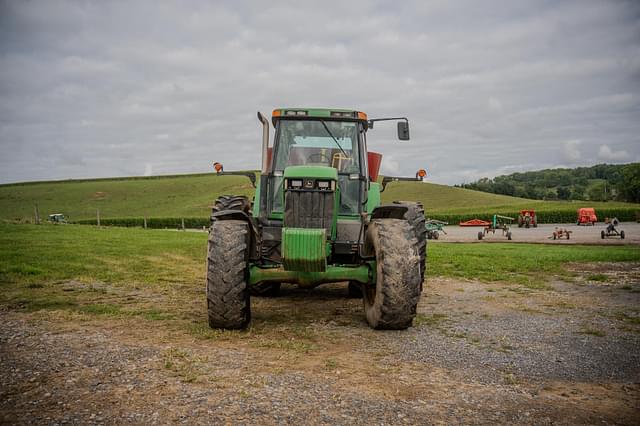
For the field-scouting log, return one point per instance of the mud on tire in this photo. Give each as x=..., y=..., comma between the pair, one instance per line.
x=228, y=304
x=415, y=217
x=392, y=303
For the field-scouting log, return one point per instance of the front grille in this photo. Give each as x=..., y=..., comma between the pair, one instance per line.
x=308, y=209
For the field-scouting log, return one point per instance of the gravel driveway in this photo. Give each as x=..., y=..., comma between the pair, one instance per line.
x=479, y=353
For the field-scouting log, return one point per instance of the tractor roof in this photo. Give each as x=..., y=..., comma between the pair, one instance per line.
x=330, y=113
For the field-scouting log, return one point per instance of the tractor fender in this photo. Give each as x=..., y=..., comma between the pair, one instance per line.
x=390, y=211
x=241, y=215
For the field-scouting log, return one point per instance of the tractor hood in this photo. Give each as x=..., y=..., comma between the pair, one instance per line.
x=318, y=172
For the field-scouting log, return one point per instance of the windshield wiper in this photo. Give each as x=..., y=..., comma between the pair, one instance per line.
x=334, y=139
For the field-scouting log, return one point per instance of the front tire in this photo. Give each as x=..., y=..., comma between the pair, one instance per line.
x=392, y=303
x=228, y=304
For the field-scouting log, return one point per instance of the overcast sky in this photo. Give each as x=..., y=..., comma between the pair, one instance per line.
x=118, y=88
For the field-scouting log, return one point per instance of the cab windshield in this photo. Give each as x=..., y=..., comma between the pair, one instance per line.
x=320, y=143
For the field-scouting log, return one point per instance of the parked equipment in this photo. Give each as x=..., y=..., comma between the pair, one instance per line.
x=499, y=222
x=434, y=227
x=559, y=233
x=587, y=216
x=475, y=222
x=610, y=230
x=57, y=218
x=527, y=218
x=317, y=218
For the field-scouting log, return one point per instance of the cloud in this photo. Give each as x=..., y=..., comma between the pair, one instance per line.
x=495, y=105
x=606, y=154
x=390, y=166
x=571, y=151
x=85, y=90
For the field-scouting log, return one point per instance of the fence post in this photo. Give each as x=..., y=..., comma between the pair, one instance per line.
x=145, y=222
x=37, y=214
x=98, y=216
x=183, y=224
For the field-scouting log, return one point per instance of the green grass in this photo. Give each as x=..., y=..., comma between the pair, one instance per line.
x=530, y=265
x=175, y=196
x=30, y=253
x=158, y=275
x=193, y=195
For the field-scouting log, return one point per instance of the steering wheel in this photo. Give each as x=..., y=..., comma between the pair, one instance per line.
x=322, y=158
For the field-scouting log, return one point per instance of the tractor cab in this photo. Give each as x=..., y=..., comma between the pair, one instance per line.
x=307, y=143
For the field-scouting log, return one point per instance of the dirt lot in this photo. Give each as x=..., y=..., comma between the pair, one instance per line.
x=541, y=234
x=479, y=353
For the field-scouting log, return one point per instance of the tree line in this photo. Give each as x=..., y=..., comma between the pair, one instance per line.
x=602, y=182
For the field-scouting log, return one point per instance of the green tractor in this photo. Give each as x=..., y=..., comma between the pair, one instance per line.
x=317, y=218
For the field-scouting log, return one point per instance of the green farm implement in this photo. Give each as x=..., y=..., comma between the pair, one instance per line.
x=434, y=227
x=317, y=218
x=501, y=223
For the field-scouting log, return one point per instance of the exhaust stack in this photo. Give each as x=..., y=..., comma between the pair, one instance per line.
x=265, y=143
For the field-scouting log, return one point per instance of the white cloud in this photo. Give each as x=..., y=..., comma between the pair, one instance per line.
x=571, y=151
x=605, y=153
x=390, y=166
x=485, y=85
x=495, y=105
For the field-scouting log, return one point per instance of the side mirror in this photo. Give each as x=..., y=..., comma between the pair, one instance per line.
x=403, y=130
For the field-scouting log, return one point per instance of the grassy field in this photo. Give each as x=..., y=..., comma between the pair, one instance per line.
x=69, y=267
x=192, y=196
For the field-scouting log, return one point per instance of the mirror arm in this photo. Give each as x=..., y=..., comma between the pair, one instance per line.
x=389, y=179
x=370, y=122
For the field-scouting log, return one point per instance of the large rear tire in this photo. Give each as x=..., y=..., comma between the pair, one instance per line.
x=228, y=304
x=416, y=219
x=231, y=202
x=391, y=304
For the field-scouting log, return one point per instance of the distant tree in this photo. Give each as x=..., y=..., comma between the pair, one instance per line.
x=564, y=193
x=578, y=192
x=532, y=192
x=630, y=185
x=597, y=192
x=503, y=187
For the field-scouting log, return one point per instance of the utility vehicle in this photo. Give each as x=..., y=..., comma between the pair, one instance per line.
x=317, y=218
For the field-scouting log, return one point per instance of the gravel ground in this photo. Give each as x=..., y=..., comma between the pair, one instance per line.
x=541, y=234
x=478, y=354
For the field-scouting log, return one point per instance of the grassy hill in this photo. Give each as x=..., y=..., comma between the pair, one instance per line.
x=192, y=195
